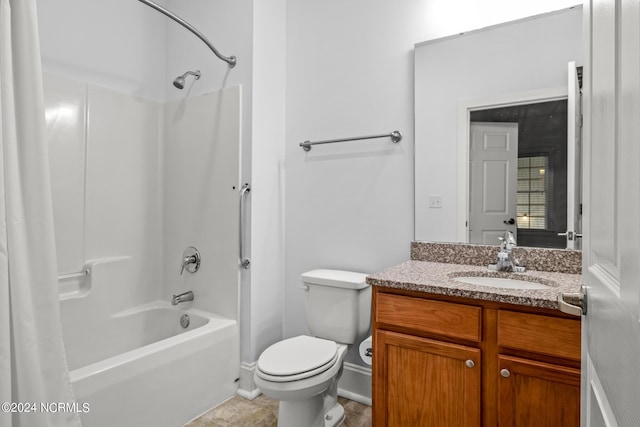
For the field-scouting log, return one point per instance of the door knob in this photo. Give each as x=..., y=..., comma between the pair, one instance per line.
x=573, y=303
x=511, y=221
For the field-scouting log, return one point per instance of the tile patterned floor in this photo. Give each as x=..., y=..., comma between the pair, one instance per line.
x=263, y=412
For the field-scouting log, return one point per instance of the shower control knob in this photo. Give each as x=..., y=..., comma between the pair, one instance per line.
x=190, y=260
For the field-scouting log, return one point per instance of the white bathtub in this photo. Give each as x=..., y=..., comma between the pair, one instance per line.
x=133, y=364
x=139, y=367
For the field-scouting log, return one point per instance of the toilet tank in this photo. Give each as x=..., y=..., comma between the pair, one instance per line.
x=338, y=304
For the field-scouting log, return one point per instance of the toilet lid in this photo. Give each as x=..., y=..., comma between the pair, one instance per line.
x=298, y=355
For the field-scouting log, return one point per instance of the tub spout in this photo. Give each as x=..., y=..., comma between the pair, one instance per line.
x=177, y=299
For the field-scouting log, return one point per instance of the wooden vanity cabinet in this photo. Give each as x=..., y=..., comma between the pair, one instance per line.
x=537, y=394
x=426, y=382
x=539, y=364
x=447, y=361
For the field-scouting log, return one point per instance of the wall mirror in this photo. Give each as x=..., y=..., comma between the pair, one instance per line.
x=497, y=142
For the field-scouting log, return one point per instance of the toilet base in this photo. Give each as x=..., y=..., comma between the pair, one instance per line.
x=307, y=412
x=334, y=417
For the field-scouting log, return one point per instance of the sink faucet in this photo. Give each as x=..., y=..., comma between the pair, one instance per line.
x=506, y=260
x=187, y=296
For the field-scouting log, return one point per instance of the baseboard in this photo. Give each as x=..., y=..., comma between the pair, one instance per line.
x=355, y=383
x=246, y=385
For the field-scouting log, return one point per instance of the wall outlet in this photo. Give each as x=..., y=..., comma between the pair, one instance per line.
x=435, y=202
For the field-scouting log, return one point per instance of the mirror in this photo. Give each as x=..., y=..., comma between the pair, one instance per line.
x=497, y=74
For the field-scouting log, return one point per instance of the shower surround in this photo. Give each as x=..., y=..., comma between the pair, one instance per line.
x=135, y=182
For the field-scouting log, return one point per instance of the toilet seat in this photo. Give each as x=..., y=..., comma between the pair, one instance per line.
x=297, y=358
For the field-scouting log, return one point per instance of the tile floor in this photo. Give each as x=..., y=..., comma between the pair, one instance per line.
x=263, y=412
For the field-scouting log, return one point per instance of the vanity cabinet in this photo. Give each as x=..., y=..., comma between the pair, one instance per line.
x=428, y=382
x=533, y=393
x=449, y=361
x=538, y=361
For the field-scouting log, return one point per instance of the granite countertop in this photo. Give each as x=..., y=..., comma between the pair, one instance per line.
x=437, y=278
x=434, y=277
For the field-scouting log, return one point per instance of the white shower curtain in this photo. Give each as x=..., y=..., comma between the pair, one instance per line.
x=33, y=368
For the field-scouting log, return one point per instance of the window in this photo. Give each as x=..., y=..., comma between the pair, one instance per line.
x=532, y=192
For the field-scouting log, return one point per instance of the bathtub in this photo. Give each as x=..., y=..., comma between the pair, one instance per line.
x=140, y=367
x=146, y=370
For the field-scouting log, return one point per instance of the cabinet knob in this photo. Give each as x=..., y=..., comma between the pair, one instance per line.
x=505, y=373
x=470, y=363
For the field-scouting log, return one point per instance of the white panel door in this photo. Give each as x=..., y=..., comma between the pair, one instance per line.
x=493, y=175
x=611, y=243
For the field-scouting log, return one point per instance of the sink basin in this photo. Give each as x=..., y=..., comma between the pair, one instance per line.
x=500, y=282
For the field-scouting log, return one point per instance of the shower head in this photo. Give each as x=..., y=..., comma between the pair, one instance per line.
x=180, y=80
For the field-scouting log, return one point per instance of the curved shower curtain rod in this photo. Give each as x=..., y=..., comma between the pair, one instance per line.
x=231, y=60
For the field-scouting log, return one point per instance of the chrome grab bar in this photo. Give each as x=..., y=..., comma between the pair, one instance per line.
x=73, y=275
x=395, y=136
x=244, y=262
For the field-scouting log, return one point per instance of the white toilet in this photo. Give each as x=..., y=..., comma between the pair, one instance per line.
x=303, y=372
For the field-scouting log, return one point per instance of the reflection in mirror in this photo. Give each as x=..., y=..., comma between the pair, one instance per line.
x=518, y=174
x=477, y=76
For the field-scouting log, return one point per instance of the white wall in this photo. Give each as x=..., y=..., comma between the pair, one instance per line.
x=266, y=298
x=447, y=17
x=117, y=43
x=349, y=73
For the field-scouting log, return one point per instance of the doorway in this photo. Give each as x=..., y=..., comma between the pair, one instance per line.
x=541, y=188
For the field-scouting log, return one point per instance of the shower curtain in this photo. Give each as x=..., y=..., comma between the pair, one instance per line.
x=34, y=379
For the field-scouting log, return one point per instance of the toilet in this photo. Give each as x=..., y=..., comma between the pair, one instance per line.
x=303, y=372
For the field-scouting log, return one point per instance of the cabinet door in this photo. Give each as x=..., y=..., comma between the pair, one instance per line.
x=422, y=382
x=537, y=394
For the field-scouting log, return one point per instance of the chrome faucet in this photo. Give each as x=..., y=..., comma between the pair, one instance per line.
x=184, y=297
x=506, y=260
